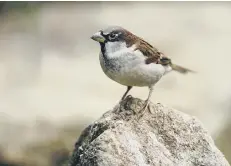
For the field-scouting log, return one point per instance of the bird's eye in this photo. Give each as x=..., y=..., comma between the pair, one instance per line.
x=112, y=36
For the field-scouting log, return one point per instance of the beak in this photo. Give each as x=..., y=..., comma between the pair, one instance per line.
x=98, y=37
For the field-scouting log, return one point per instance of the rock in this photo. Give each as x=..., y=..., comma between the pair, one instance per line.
x=164, y=137
x=223, y=140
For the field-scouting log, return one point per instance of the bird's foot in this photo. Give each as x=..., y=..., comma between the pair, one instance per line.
x=122, y=100
x=144, y=109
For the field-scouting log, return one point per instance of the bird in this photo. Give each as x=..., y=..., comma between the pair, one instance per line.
x=131, y=61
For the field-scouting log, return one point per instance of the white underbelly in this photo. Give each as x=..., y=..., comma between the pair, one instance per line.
x=139, y=75
x=133, y=72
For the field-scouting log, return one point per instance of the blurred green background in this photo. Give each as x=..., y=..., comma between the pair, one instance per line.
x=52, y=86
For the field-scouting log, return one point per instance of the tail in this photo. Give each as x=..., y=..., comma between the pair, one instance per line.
x=181, y=69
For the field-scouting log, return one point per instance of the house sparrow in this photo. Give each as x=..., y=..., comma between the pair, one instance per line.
x=131, y=61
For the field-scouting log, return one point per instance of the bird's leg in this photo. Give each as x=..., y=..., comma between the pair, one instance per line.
x=125, y=94
x=146, y=102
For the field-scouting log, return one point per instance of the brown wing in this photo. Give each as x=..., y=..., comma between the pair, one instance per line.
x=153, y=55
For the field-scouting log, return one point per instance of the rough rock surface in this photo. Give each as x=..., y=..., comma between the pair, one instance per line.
x=165, y=137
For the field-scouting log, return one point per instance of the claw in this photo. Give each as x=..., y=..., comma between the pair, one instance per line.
x=125, y=94
x=143, y=110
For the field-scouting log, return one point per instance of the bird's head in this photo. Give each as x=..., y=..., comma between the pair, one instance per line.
x=114, y=38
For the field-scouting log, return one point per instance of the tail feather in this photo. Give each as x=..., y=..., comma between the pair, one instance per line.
x=181, y=69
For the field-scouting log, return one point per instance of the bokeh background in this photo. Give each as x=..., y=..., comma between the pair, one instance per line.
x=52, y=86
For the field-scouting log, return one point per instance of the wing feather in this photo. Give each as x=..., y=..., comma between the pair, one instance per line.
x=153, y=54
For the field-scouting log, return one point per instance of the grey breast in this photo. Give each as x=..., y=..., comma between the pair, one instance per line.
x=109, y=65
